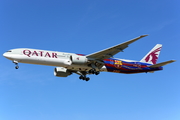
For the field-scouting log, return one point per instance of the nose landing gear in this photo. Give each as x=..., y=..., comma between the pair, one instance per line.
x=16, y=63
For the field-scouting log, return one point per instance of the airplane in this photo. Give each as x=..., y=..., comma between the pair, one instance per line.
x=83, y=65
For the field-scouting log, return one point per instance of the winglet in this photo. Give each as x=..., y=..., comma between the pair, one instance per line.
x=143, y=35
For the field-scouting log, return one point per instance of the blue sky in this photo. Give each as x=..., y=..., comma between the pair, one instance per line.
x=79, y=26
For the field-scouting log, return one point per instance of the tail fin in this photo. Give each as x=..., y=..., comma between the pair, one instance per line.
x=153, y=55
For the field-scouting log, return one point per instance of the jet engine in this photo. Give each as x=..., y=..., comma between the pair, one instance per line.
x=61, y=72
x=76, y=59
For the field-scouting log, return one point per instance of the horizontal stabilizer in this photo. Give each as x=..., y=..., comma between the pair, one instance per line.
x=161, y=64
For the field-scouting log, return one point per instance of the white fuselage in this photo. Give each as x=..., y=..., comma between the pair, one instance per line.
x=45, y=57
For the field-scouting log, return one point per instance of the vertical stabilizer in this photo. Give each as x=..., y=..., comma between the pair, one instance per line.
x=153, y=55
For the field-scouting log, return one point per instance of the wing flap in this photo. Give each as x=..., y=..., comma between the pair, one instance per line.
x=162, y=64
x=107, y=53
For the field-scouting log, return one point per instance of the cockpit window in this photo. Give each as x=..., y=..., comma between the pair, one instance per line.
x=9, y=51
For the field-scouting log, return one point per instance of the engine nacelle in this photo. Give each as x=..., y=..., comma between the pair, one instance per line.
x=61, y=72
x=76, y=59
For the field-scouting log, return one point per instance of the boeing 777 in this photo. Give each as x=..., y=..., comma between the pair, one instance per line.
x=83, y=65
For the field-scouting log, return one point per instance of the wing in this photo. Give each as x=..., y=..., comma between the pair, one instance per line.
x=110, y=52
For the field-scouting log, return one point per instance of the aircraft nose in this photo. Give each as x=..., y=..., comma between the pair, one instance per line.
x=6, y=55
x=9, y=55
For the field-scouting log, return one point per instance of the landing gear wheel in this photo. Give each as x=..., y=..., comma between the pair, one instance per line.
x=87, y=79
x=81, y=77
x=16, y=63
x=17, y=67
x=93, y=71
x=97, y=73
x=84, y=78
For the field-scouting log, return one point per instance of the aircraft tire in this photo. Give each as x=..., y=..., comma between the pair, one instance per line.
x=87, y=79
x=81, y=77
x=16, y=67
x=97, y=73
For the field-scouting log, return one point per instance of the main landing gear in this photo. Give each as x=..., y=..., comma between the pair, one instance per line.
x=84, y=73
x=16, y=63
x=93, y=71
x=83, y=77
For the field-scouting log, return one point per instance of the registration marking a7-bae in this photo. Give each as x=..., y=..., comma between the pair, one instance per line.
x=68, y=63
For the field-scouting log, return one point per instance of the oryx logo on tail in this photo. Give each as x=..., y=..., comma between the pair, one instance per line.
x=153, y=55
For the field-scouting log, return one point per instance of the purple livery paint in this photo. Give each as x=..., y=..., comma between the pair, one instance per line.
x=153, y=55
